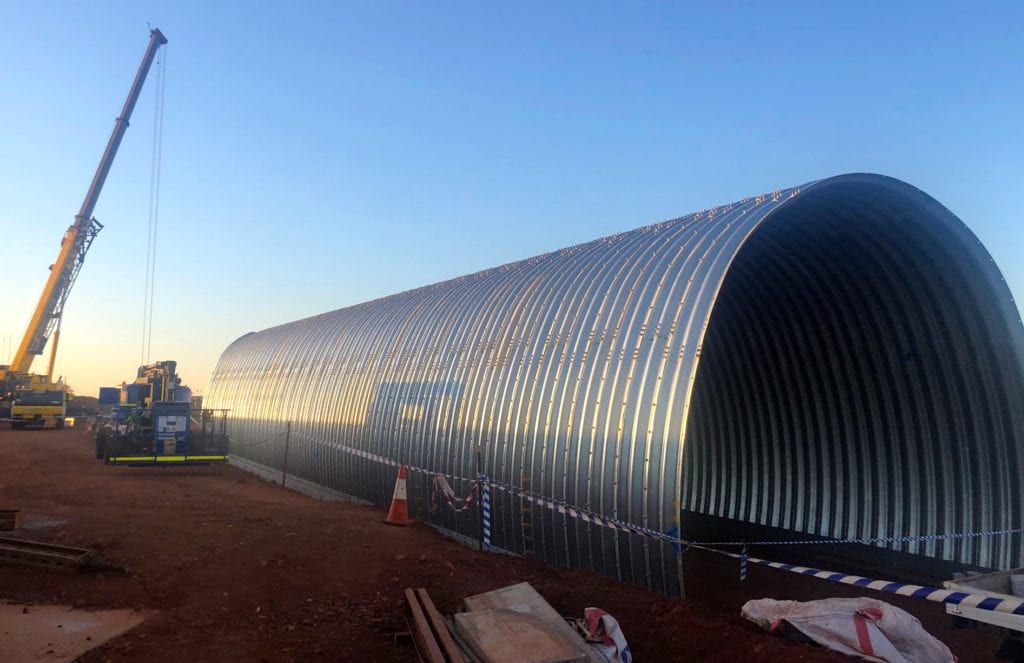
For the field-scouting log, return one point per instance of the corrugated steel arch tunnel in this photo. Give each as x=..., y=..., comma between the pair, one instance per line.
x=841, y=359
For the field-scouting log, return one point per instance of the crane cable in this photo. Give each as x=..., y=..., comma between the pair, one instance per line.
x=154, y=207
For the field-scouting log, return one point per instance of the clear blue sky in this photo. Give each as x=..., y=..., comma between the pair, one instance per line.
x=317, y=155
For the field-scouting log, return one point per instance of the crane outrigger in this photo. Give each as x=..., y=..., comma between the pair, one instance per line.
x=37, y=399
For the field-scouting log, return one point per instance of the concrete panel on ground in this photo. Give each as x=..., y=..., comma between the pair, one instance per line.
x=58, y=633
x=515, y=623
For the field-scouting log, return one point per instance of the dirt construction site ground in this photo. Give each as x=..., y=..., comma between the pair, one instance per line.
x=230, y=567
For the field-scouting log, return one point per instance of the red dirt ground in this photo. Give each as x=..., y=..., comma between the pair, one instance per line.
x=233, y=567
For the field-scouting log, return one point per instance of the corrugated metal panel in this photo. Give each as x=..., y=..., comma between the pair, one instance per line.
x=861, y=375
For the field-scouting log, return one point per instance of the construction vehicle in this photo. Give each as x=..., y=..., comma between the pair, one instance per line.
x=38, y=399
x=152, y=423
x=39, y=403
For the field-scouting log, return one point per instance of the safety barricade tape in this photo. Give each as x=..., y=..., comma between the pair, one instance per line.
x=457, y=504
x=909, y=538
x=979, y=601
x=1010, y=606
x=259, y=443
x=563, y=507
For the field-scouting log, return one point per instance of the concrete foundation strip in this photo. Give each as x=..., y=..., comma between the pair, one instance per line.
x=982, y=602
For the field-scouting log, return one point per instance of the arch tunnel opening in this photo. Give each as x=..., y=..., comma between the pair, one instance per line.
x=860, y=377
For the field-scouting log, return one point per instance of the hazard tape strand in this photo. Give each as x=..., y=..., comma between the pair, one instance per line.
x=249, y=445
x=591, y=517
x=457, y=504
x=1011, y=606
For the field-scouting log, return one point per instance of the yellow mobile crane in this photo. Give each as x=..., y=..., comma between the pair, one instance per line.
x=37, y=399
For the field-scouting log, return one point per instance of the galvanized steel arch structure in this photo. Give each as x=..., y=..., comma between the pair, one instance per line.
x=841, y=359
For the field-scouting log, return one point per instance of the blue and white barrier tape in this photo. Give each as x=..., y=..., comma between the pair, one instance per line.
x=1010, y=606
x=361, y=453
x=566, y=509
x=910, y=538
x=585, y=515
x=485, y=502
x=934, y=594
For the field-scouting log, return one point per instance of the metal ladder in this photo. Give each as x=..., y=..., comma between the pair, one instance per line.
x=526, y=515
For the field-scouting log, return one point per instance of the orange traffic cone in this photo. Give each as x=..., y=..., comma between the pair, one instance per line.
x=398, y=514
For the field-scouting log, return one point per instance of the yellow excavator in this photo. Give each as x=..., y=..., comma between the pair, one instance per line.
x=39, y=400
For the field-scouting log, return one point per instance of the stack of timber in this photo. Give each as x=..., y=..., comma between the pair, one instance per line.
x=430, y=633
x=46, y=555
